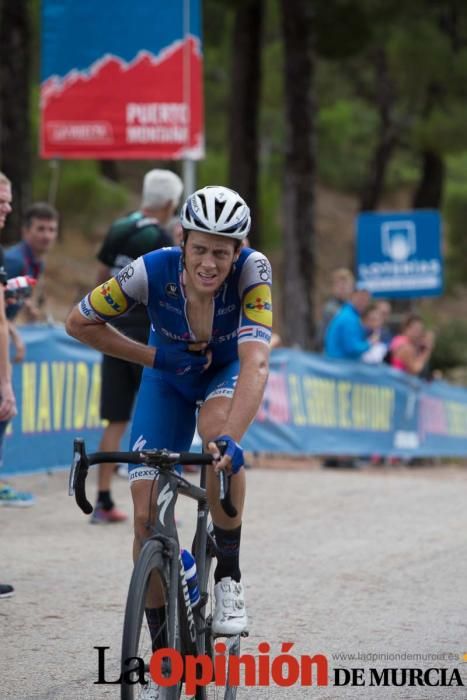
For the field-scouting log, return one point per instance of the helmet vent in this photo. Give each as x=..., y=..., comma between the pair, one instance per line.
x=202, y=199
x=219, y=209
x=234, y=209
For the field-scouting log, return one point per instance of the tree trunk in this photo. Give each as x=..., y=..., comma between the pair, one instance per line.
x=109, y=169
x=15, y=146
x=299, y=173
x=244, y=106
x=387, y=139
x=429, y=192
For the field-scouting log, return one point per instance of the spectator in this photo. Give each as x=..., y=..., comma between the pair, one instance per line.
x=372, y=320
x=127, y=239
x=7, y=397
x=410, y=351
x=343, y=283
x=346, y=338
x=38, y=235
x=8, y=495
x=384, y=308
x=175, y=231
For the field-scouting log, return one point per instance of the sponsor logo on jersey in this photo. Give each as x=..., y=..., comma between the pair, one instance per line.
x=257, y=305
x=108, y=299
x=171, y=290
x=254, y=333
x=223, y=338
x=125, y=274
x=85, y=309
x=263, y=267
x=225, y=310
x=175, y=336
x=170, y=307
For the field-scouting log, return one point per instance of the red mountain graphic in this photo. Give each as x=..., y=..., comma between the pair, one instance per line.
x=149, y=108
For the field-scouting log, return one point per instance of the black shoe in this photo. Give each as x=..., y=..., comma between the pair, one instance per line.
x=331, y=462
x=6, y=591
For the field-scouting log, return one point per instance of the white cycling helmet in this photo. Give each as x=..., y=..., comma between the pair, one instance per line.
x=216, y=209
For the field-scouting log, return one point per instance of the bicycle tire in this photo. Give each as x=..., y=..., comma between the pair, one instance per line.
x=150, y=560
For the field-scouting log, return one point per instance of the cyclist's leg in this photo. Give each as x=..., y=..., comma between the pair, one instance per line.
x=163, y=418
x=212, y=418
x=230, y=617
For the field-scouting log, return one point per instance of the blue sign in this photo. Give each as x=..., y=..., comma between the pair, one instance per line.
x=399, y=255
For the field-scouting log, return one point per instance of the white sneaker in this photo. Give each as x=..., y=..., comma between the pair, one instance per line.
x=230, y=614
x=151, y=691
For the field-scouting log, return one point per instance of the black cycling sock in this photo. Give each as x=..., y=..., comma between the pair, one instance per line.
x=228, y=553
x=156, y=622
x=104, y=500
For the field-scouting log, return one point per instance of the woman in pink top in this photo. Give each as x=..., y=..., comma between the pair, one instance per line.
x=411, y=350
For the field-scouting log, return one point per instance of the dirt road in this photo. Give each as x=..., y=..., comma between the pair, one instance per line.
x=347, y=563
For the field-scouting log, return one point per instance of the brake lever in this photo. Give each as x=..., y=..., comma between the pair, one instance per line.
x=224, y=495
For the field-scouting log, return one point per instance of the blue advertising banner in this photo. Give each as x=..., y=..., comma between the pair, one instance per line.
x=312, y=405
x=399, y=254
x=57, y=391
x=121, y=79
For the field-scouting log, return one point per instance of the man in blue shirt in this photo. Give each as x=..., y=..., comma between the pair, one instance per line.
x=39, y=233
x=345, y=337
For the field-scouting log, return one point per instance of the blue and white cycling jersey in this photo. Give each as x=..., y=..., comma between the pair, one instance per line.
x=165, y=414
x=242, y=306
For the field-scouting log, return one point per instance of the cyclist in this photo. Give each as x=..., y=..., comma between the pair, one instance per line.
x=209, y=303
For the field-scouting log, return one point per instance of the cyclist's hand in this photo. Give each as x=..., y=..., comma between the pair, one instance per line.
x=227, y=453
x=177, y=358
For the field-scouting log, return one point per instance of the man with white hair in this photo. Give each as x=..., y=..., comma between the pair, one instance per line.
x=128, y=238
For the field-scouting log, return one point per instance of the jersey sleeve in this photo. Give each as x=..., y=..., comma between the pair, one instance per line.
x=118, y=295
x=256, y=301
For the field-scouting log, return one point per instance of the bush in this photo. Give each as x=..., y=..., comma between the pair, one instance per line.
x=84, y=198
x=451, y=346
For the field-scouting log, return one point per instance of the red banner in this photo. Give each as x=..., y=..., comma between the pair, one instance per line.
x=150, y=106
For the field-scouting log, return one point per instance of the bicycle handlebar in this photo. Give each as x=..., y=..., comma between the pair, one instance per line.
x=154, y=458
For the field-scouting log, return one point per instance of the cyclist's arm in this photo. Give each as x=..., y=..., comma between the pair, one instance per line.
x=88, y=321
x=254, y=337
x=249, y=390
x=107, y=339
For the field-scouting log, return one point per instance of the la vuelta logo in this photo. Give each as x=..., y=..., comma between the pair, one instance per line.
x=257, y=670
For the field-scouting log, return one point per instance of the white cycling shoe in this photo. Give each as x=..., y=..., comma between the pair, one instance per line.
x=230, y=616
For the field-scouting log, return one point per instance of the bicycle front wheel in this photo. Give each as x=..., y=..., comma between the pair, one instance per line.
x=151, y=569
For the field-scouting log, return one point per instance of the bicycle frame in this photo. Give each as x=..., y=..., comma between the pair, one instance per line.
x=164, y=529
x=170, y=484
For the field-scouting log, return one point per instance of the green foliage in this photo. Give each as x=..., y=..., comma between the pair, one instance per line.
x=451, y=346
x=214, y=168
x=346, y=135
x=83, y=196
x=342, y=28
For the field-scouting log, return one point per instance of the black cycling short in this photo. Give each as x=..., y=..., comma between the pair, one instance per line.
x=120, y=382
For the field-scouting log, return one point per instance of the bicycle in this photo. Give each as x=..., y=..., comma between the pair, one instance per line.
x=187, y=628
